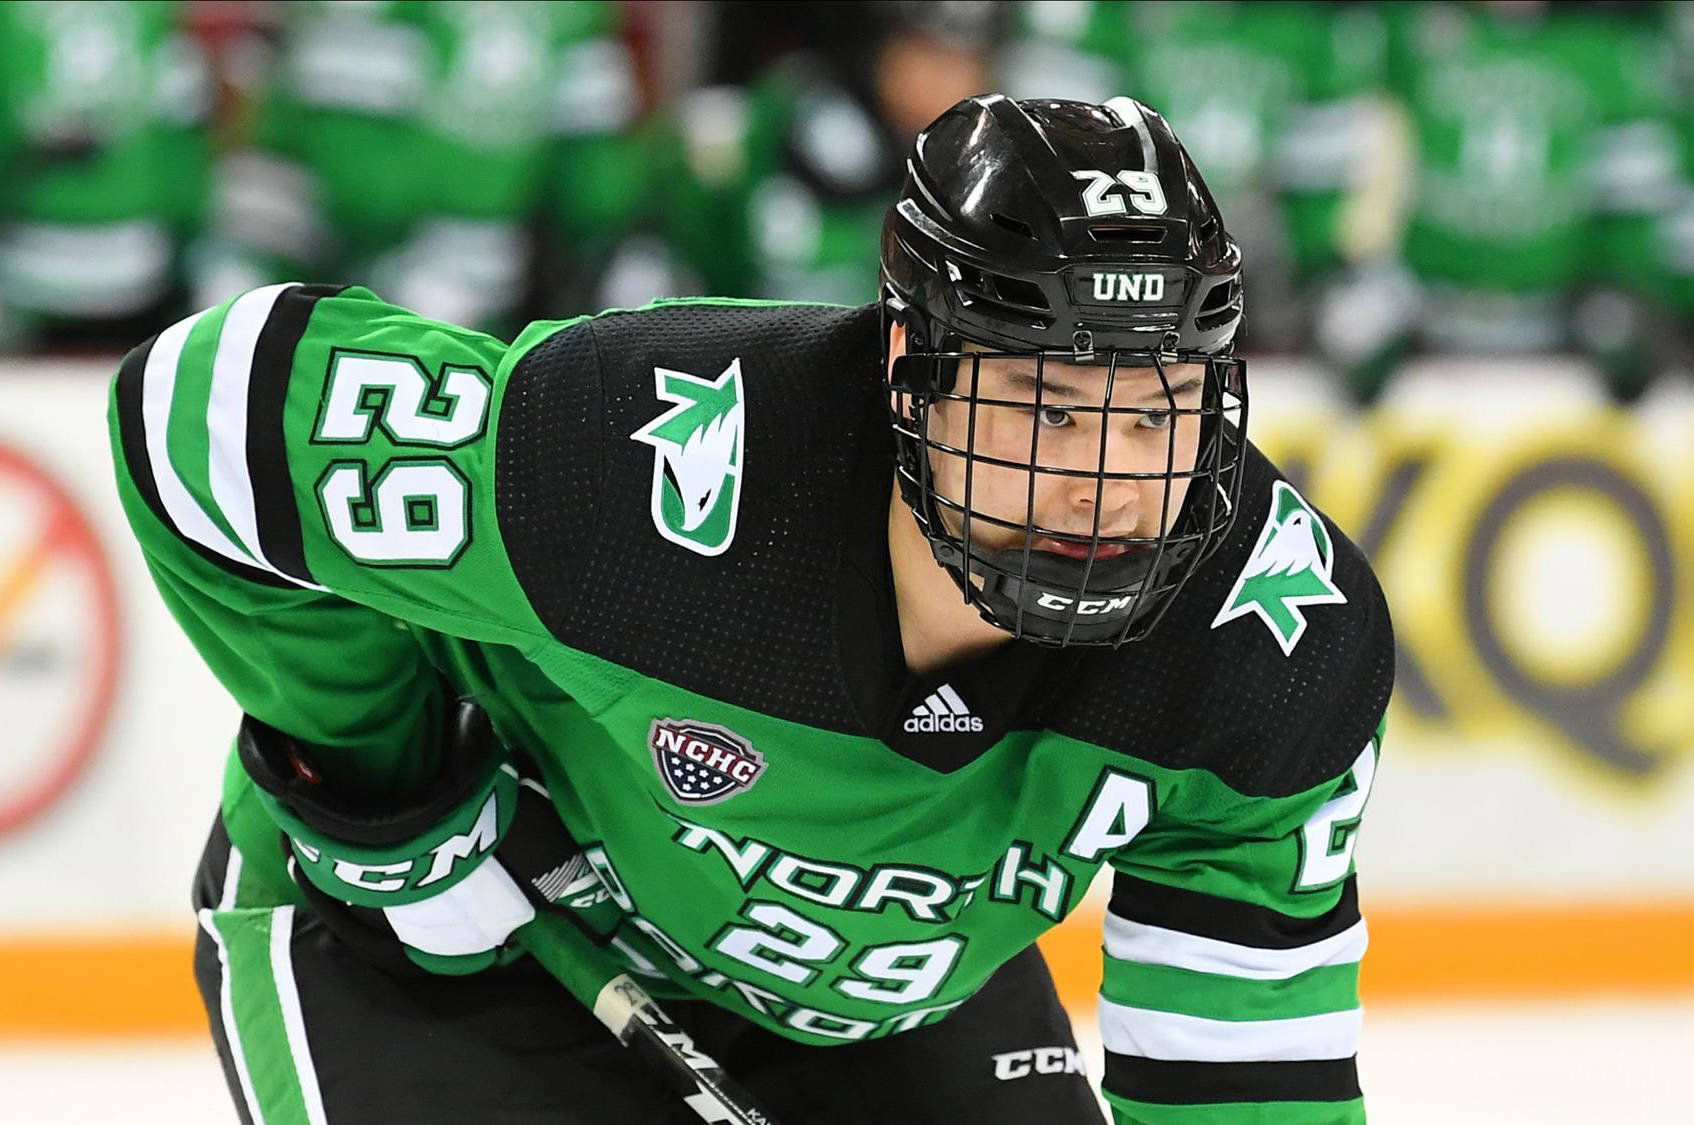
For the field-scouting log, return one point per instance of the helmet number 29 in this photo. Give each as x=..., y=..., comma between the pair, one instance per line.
x=1101, y=195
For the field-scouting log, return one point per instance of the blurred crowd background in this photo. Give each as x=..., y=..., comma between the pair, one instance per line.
x=1484, y=178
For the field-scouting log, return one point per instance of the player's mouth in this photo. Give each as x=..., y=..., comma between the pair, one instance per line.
x=1073, y=550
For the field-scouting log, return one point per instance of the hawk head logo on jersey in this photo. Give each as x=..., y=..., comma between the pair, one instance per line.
x=703, y=763
x=698, y=445
x=1289, y=568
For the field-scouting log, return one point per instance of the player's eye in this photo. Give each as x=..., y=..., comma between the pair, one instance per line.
x=1053, y=417
x=1154, y=420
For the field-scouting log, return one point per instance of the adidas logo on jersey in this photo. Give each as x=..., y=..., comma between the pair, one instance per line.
x=943, y=712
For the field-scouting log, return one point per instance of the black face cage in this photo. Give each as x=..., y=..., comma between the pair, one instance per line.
x=1042, y=596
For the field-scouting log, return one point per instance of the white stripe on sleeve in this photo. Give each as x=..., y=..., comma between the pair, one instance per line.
x=226, y=417
x=1182, y=1038
x=158, y=387
x=1154, y=945
x=226, y=413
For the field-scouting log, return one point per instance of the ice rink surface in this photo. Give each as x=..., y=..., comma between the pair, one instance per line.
x=1548, y=1064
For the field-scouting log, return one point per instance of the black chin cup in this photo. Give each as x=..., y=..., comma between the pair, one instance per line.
x=1041, y=596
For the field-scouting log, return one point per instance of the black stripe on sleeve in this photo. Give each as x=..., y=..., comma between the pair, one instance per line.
x=275, y=511
x=1243, y=923
x=132, y=438
x=1162, y=1082
x=132, y=431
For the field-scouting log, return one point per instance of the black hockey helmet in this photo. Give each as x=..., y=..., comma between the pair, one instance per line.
x=1064, y=233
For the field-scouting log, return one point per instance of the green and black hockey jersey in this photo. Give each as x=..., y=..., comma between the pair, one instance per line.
x=364, y=129
x=781, y=187
x=103, y=138
x=653, y=545
x=1546, y=146
x=1272, y=100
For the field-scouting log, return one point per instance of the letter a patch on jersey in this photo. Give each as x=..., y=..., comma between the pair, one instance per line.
x=698, y=446
x=1289, y=568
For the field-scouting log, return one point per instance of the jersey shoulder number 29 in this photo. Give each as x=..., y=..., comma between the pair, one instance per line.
x=394, y=502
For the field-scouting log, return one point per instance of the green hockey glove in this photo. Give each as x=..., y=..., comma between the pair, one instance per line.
x=427, y=871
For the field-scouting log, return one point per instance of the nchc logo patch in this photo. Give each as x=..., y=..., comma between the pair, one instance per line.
x=703, y=763
x=1289, y=569
x=698, y=446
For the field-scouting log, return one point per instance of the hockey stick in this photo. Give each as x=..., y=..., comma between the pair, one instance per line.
x=639, y=1024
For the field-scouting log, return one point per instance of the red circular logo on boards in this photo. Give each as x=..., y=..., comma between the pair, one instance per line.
x=58, y=641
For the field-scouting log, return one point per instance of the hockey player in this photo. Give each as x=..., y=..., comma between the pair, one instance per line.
x=1277, y=102
x=841, y=714
x=104, y=139
x=1544, y=159
x=364, y=124
x=777, y=187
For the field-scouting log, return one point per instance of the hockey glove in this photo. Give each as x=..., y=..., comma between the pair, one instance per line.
x=426, y=873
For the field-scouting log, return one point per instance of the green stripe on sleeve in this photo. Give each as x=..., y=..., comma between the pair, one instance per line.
x=1211, y=840
x=1127, y=1112
x=1331, y=988
x=187, y=441
x=258, y=1015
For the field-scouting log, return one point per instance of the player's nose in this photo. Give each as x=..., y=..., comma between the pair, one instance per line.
x=1110, y=500
x=1117, y=475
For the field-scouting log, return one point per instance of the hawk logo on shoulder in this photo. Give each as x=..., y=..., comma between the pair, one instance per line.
x=1289, y=568
x=698, y=445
